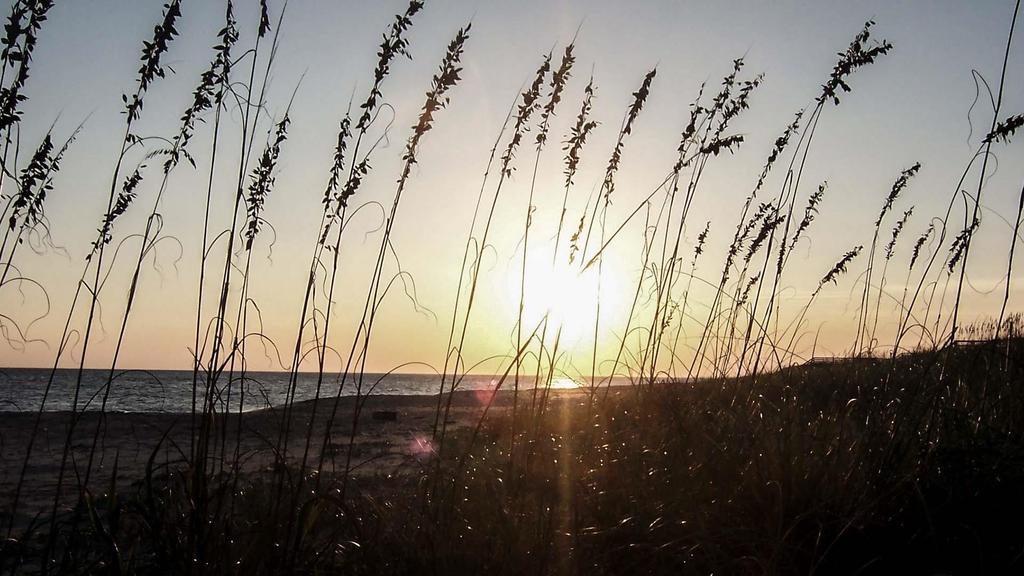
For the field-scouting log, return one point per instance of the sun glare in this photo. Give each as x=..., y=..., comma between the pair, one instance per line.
x=563, y=383
x=568, y=298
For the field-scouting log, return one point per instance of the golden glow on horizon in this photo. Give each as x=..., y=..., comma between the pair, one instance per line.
x=564, y=384
x=876, y=132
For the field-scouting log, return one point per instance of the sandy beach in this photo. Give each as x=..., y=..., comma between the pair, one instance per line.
x=392, y=437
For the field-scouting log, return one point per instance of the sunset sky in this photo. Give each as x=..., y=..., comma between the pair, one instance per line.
x=915, y=104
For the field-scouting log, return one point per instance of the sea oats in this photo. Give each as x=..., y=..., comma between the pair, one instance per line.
x=262, y=180
x=896, y=230
x=152, y=53
x=840, y=267
x=578, y=134
x=1005, y=129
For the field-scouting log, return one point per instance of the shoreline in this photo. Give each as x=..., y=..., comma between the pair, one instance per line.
x=459, y=396
x=170, y=392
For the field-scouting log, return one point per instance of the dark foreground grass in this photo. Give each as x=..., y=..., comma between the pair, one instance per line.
x=912, y=466
x=865, y=466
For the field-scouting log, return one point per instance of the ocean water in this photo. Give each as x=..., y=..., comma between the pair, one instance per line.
x=22, y=389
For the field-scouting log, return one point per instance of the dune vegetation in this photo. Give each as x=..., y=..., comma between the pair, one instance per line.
x=725, y=446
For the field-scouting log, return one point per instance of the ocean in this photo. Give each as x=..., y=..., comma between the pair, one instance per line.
x=170, y=391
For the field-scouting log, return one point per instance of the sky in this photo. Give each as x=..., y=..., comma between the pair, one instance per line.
x=914, y=105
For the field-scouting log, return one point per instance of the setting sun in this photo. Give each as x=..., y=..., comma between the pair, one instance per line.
x=567, y=297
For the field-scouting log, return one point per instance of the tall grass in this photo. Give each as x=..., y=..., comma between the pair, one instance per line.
x=733, y=449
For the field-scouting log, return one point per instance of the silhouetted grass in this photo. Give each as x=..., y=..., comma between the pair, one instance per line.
x=729, y=452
